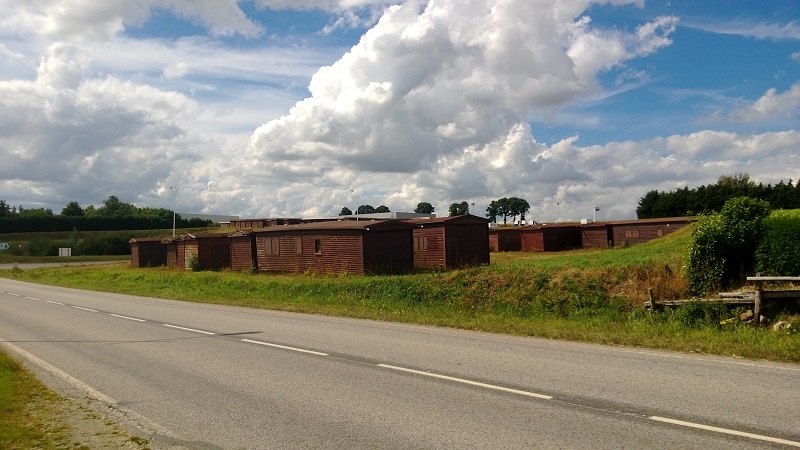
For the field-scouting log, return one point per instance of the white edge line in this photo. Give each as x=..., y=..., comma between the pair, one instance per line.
x=84, y=309
x=470, y=382
x=726, y=431
x=188, y=329
x=90, y=391
x=285, y=347
x=126, y=317
x=55, y=303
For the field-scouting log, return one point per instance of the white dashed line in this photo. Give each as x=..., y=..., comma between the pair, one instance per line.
x=32, y=298
x=13, y=294
x=295, y=349
x=469, y=382
x=129, y=318
x=726, y=431
x=188, y=329
x=55, y=303
x=84, y=309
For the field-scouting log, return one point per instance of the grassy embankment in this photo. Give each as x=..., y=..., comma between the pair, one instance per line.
x=591, y=296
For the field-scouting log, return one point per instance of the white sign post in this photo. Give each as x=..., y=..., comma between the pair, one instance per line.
x=65, y=251
x=3, y=245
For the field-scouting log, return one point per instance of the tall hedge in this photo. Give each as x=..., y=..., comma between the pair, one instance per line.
x=778, y=253
x=724, y=245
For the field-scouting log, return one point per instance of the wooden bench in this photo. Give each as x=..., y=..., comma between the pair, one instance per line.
x=761, y=294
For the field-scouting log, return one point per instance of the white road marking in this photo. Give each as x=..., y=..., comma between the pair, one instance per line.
x=13, y=294
x=295, y=349
x=469, y=382
x=32, y=298
x=726, y=431
x=129, y=318
x=84, y=309
x=735, y=363
x=55, y=303
x=188, y=329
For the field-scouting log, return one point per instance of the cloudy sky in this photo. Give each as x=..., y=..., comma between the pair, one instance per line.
x=276, y=108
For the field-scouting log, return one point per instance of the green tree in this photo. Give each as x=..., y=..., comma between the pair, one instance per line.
x=5, y=210
x=382, y=209
x=492, y=211
x=424, y=208
x=345, y=211
x=365, y=209
x=73, y=209
x=459, y=209
x=113, y=207
x=518, y=207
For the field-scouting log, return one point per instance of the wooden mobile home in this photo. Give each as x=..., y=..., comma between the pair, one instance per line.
x=147, y=252
x=450, y=242
x=550, y=238
x=211, y=251
x=357, y=247
x=505, y=239
x=630, y=232
x=243, y=250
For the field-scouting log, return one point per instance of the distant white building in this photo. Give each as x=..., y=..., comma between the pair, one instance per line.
x=391, y=215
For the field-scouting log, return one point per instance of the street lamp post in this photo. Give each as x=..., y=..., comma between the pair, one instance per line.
x=174, y=199
x=558, y=211
x=594, y=219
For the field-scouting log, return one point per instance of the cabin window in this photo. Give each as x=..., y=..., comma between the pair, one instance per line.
x=660, y=232
x=298, y=246
x=272, y=247
x=631, y=233
x=317, y=246
x=420, y=243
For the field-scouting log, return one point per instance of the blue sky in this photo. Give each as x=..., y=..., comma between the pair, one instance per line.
x=272, y=108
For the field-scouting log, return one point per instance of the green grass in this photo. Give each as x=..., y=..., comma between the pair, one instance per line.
x=591, y=296
x=27, y=419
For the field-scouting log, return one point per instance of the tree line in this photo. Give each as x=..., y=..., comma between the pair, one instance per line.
x=113, y=215
x=711, y=198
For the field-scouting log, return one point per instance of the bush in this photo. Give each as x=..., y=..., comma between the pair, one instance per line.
x=724, y=245
x=778, y=250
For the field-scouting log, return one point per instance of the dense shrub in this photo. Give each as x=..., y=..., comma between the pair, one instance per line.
x=778, y=252
x=724, y=245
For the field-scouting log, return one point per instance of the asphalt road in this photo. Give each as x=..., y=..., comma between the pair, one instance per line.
x=207, y=376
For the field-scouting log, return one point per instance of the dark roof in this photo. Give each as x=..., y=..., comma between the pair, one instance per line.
x=205, y=235
x=656, y=220
x=468, y=218
x=143, y=240
x=363, y=225
x=241, y=233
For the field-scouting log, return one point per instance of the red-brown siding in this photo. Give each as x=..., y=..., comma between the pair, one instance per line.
x=212, y=251
x=505, y=239
x=243, y=251
x=596, y=236
x=344, y=247
x=451, y=242
x=637, y=232
x=550, y=238
x=147, y=253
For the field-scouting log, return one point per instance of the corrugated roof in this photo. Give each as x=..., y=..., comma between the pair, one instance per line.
x=338, y=225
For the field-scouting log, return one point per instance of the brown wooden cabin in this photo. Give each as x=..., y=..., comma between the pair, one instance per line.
x=357, y=247
x=175, y=258
x=243, y=250
x=147, y=252
x=253, y=224
x=450, y=242
x=554, y=237
x=630, y=232
x=596, y=235
x=505, y=239
x=213, y=251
